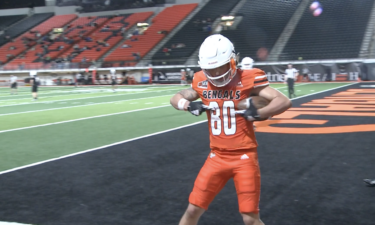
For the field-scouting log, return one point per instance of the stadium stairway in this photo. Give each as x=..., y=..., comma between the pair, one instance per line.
x=12, y=49
x=287, y=32
x=341, y=38
x=148, y=58
x=368, y=43
x=8, y=21
x=27, y=52
x=193, y=33
x=23, y=25
x=259, y=28
x=165, y=21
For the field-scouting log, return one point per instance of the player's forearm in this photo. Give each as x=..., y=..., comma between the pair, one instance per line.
x=176, y=99
x=182, y=99
x=277, y=105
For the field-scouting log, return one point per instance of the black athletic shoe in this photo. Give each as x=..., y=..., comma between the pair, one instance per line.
x=369, y=182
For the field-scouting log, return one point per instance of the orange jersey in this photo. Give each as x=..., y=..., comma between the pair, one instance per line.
x=228, y=130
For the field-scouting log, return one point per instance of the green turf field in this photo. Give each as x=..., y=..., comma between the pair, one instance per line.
x=67, y=120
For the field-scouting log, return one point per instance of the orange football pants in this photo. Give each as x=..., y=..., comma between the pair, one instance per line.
x=220, y=166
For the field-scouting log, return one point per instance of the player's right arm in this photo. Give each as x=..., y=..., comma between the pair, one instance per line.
x=183, y=98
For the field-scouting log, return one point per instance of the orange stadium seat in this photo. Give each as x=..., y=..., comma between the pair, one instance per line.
x=166, y=20
x=100, y=34
x=43, y=28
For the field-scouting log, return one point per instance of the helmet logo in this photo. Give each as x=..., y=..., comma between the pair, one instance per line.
x=210, y=63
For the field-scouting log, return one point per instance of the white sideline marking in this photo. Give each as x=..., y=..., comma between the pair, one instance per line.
x=367, y=85
x=324, y=90
x=133, y=139
x=104, y=146
x=73, y=99
x=86, y=104
x=85, y=118
x=12, y=223
x=294, y=85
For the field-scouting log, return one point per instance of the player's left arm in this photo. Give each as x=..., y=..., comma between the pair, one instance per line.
x=278, y=101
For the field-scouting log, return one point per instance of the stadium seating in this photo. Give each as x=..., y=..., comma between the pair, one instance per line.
x=110, y=36
x=20, y=44
x=75, y=31
x=193, y=34
x=23, y=26
x=6, y=21
x=336, y=33
x=98, y=6
x=261, y=25
x=165, y=21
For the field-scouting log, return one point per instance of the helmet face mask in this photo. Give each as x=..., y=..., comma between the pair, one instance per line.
x=217, y=59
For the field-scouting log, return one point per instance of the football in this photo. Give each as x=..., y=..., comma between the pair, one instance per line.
x=259, y=102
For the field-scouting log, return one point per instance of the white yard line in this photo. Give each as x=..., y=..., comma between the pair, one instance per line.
x=98, y=148
x=133, y=139
x=85, y=118
x=76, y=93
x=68, y=107
x=114, y=95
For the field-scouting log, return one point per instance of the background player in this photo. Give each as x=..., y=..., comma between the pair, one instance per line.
x=247, y=63
x=34, y=81
x=114, y=80
x=221, y=86
x=13, y=84
x=183, y=77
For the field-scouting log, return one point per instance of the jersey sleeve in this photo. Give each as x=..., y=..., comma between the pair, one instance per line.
x=199, y=82
x=260, y=79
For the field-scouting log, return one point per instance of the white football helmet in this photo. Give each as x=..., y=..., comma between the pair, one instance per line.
x=113, y=71
x=215, y=51
x=247, y=63
x=33, y=73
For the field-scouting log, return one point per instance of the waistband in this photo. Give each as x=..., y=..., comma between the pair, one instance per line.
x=234, y=152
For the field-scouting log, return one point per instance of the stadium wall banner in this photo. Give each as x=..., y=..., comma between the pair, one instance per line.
x=171, y=75
x=317, y=72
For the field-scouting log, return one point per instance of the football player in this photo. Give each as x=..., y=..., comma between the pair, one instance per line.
x=34, y=81
x=13, y=84
x=247, y=63
x=114, y=80
x=221, y=86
